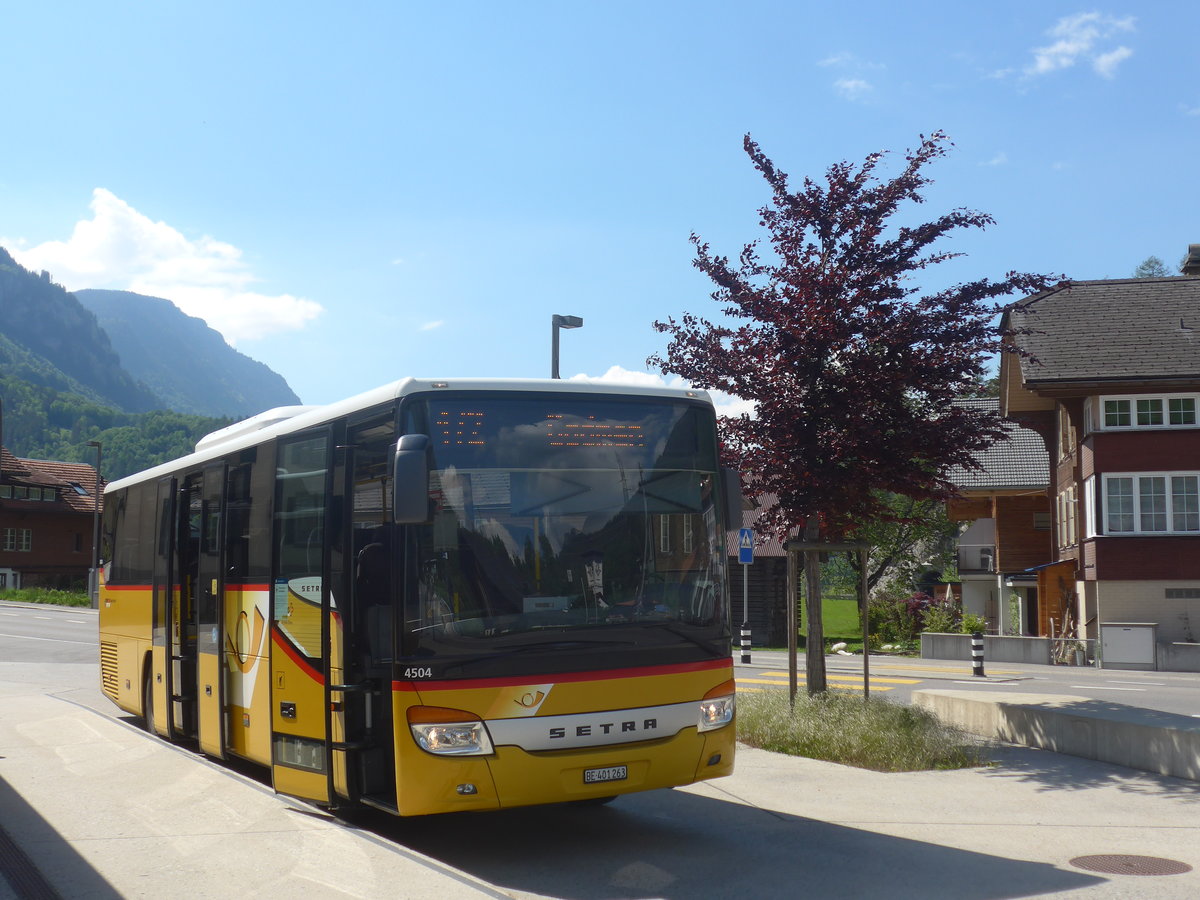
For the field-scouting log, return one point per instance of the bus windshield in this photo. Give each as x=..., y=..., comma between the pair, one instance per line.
x=566, y=521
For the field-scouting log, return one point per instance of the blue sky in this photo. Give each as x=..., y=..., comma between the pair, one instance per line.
x=353, y=195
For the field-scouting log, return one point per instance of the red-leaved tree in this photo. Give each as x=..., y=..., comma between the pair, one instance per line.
x=851, y=367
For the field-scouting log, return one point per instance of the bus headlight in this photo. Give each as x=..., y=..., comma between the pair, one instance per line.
x=717, y=708
x=449, y=732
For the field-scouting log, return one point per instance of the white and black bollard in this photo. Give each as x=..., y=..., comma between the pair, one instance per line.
x=745, y=643
x=977, y=654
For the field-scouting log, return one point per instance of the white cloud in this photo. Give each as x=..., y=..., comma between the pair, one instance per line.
x=1080, y=37
x=999, y=159
x=1106, y=63
x=724, y=403
x=430, y=326
x=1191, y=110
x=120, y=248
x=838, y=59
x=852, y=88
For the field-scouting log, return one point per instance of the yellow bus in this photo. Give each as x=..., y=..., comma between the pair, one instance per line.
x=435, y=596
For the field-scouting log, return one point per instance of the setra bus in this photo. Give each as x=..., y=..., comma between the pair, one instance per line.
x=435, y=596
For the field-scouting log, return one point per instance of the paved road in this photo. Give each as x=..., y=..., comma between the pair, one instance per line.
x=33, y=633
x=107, y=811
x=896, y=679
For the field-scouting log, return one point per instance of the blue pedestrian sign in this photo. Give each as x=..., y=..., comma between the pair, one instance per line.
x=746, y=546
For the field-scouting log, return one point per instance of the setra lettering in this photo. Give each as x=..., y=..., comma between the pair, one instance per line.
x=631, y=726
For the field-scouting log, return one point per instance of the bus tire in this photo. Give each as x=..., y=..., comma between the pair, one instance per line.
x=148, y=702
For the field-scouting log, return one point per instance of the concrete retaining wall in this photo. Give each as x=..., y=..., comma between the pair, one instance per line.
x=1179, y=657
x=1143, y=739
x=996, y=648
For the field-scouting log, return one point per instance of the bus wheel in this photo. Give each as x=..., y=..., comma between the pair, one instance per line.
x=148, y=703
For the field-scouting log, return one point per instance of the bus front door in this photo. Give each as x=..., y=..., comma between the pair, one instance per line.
x=209, y=609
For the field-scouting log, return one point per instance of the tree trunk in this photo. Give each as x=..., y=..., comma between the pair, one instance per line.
x=814, y=648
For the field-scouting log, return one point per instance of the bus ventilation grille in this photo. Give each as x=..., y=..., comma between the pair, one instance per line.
x=108, y=669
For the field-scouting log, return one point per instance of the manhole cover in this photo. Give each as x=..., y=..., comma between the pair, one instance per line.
x=1119, y=864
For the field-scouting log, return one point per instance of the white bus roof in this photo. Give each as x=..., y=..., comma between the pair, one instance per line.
x=287, y=419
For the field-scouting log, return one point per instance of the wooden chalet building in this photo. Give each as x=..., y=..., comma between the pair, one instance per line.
x=1113, y=386
x=47, y=515
x=1007, y=539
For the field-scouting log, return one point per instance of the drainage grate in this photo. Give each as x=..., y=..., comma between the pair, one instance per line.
x=1119, y=864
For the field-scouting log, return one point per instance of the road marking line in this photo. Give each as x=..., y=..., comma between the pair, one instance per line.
x=28, y=637
x=1101, y=687
x=982, y=682
x=1147, y=683
x=947, y=670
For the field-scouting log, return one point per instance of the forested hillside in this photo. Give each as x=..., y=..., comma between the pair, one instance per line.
x=42, y=423
x=62, y=344
x=182, y=360
x=63, y=384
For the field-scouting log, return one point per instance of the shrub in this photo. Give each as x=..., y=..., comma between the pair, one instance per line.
x=842, y=728
x=972, y=623
x=941, y=618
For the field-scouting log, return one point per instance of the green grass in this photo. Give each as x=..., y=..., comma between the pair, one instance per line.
x=842, y=728
x=48, y=596
x=839, y=621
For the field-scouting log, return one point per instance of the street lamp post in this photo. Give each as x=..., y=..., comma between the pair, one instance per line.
x=95, y=579
x=556, y=323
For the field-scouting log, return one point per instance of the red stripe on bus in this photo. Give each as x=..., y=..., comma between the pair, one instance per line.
x=562, y=677
x=229, y=586
x=285, y=645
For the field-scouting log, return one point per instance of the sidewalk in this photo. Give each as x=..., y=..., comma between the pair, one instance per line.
x=101, y=810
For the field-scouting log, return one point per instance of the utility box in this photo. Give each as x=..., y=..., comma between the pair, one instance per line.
x=1128, y=645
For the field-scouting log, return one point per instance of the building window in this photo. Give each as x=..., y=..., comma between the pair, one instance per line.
x=1066, y=434
x=6, y=491
x=1068, y=529
x=687, y=534
x=664, y=534
x=1116, y=413
x=1166, y=503
x=17, y=539
x=1166, y=411
x=1182, y=411
x=1041, y=521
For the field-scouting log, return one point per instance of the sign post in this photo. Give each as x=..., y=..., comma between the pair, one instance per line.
x=746, y=557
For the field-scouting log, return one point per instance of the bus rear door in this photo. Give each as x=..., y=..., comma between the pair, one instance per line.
x=301, y=762
x=210, y=592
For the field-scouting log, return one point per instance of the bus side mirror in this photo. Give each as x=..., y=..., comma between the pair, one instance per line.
x=731, y=481
x=410, y=482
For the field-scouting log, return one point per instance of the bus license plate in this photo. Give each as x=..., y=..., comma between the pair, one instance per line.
x=611, y=773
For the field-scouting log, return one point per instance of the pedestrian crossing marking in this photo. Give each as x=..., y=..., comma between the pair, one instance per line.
x=832, y=677
x=851, y=685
